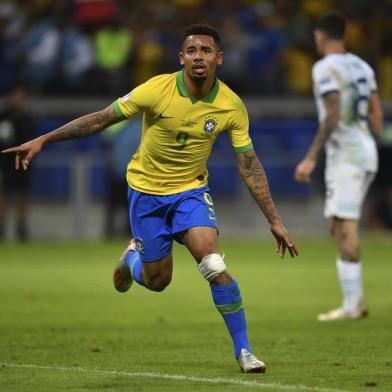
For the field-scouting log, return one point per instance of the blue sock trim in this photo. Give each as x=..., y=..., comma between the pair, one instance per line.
x=229, y=294
x=135, y=265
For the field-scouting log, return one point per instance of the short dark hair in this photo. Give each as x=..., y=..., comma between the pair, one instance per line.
x=333, y=24
x=201, y=29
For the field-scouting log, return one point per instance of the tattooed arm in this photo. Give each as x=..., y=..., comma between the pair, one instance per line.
x=332, y=106
x=82, y=126
x=254, y=177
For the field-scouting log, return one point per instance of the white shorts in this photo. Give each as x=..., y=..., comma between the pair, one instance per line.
x=346, y=189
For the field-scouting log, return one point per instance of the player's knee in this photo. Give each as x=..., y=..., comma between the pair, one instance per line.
x=159, y=282
x=212, y=266
x=350, y=254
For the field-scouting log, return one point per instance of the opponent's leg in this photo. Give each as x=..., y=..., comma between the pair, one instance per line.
x=349, y=270
x=202, y=242
x=349, y=265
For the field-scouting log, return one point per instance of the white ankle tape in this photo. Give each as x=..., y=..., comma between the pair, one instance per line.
x=211, y=266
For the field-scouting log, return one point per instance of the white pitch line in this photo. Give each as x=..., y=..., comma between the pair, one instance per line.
x=175, y=377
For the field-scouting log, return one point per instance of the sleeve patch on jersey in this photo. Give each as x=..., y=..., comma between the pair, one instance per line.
x=118, y=111
x=246, y=148
x=325, y=80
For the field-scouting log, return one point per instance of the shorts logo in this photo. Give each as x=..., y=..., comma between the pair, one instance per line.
x=208, y=199
x=212, y=214
x=210, y=124
x=139, y=245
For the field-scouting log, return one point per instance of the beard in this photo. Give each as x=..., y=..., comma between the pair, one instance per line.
x=198, y=78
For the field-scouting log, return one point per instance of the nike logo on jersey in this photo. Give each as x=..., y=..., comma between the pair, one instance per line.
x=162, y=116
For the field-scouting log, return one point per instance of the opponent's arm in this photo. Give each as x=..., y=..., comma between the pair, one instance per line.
x=332, y=106
x=254, y=177
x=82, y=126
x=376, y=115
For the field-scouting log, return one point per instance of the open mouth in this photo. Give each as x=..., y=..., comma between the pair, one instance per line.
x=199, y=68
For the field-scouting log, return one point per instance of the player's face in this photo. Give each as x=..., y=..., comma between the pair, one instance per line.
x=200, y=56
x=319, y=38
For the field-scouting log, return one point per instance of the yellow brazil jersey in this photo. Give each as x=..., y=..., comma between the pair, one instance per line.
x=178, y=132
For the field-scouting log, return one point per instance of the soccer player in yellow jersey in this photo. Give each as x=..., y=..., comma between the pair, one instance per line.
x=169, y=199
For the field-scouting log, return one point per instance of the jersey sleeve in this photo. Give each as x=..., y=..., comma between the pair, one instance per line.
x=239, y=129
x=138, y=100
x=325, y=79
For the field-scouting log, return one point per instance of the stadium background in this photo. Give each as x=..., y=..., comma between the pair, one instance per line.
x=78, y=56
x=64, y=327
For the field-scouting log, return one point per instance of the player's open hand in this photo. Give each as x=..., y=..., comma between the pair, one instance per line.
x=283, y=240
x=304, y=170
x=25, y=153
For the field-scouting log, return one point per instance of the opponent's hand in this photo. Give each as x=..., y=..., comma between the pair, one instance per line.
x=304, y=170
x=283, y=240
x=25, y=153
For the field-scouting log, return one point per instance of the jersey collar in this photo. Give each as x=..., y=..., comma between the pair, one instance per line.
x=209, y=98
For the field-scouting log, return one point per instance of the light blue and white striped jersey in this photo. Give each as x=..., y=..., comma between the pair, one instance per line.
x=351, y=141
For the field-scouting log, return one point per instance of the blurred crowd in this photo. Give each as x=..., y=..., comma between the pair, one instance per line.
x=108, y=46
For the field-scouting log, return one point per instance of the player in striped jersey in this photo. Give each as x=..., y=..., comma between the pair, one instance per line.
x=349, y=111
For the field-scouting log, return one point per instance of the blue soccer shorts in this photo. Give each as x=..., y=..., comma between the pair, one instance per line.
x=155, y=220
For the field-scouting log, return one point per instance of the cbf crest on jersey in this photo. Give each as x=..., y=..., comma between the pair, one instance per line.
x=210, y=124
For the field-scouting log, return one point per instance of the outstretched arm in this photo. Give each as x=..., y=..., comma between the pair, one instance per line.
x=254, y=177
x=82, y=126
x=332, y=106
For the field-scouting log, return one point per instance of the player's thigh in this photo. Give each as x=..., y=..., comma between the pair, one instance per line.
x=153, y=239
x=201, y=241
x=194, y=223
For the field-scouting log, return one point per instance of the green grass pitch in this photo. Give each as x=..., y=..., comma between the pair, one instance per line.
x=60, y=316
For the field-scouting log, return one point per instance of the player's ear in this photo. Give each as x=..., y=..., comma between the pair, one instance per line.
x=181, y=57
x=220, y=58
